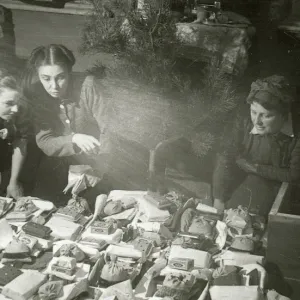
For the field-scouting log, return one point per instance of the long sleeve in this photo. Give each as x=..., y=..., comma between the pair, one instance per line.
x=48, y=138
x=49, y=130
x=101, y=109
x=289, y=174
x=54, y=145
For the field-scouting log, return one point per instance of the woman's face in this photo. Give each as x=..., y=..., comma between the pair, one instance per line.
x=266, y=121
x=55, y=80
x=9, y=103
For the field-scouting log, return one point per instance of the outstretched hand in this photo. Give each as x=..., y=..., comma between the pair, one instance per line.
x=87, y=143
x=14, y=190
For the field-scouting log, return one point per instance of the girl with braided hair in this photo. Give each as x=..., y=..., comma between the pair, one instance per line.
x=70, y=112
x=261, y=153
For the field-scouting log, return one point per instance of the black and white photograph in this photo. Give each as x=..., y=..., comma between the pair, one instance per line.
x=149, y=149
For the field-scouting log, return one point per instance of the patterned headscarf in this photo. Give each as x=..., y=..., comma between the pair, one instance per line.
x=274, y=85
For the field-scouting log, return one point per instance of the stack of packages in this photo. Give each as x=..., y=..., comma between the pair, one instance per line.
x=136, y=245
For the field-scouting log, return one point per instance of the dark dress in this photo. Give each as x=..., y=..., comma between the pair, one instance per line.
x=278, y=160
x=5, y=148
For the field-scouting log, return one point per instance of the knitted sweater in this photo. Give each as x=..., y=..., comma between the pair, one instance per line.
x=84, y=111
x=277, y=156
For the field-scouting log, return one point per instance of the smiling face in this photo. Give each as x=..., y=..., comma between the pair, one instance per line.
x=266, y=121
x=55, y=80
x=9, y=103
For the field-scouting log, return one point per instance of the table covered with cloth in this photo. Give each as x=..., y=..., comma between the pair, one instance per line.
x=227, y=44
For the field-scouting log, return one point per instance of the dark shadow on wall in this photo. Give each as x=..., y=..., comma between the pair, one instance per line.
x=8, y=58
x=46, y=3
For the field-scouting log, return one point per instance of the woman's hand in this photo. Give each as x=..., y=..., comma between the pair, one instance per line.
x=246, y=165
x=14, y=190
x=87, y=143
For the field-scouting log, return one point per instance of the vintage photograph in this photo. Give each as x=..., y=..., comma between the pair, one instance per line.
x=149, y=149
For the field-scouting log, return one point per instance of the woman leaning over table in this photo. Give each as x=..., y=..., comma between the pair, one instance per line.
x=263, y=150
x=14, y=132
x=71, y=116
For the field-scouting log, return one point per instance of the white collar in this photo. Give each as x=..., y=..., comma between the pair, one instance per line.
x=287, y=128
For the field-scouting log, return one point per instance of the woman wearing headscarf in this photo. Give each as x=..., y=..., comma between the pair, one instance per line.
x=262, y=151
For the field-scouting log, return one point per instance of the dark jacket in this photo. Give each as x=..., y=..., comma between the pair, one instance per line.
x=277, y=156
x=17, y=128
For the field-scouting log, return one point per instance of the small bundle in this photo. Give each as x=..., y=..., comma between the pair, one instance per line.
x=239, y=221
x=51, y=290
x=158, y=200
x=102, y=227
x=71, y=250
x=5, y=205
x=64, y=265
x=16, y=251
x=23, y=210
x=145, y=246
x=70, y=213
x=37, y=230
x=113, y=272
x=29, y=241
x=180, y=286
x=180, y=263
x=94, y=243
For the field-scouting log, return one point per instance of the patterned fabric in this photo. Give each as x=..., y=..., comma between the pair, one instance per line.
x=51, y=290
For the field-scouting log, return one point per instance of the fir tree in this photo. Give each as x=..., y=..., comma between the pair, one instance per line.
x=157, y=96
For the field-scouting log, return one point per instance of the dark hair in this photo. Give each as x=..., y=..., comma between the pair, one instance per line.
x=53, y=54
x=270, y=102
